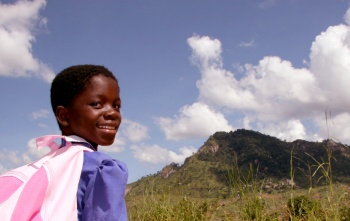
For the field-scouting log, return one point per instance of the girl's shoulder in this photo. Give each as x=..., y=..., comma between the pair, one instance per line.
x=96, y=156
x=102, y=185
x=98, y=161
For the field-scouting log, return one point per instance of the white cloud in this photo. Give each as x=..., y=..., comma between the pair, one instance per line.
x=347, y=16
x=273, y=96
x=33, y=152
x=10, y=156
x=280, y=91
x=184, y=153
x=3, y=169
x=267, y=3
x=156, y=154
x=330, y=63
x=208, y=51
x=43, y=125
x=336, y=127
x=42, y=113
x=134, y=131
x=194, y=121
x=18, y=25
x=289, y=130
x=249, y=44
x=10, y=159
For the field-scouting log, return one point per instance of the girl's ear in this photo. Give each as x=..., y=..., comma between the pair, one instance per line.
x=62, y=116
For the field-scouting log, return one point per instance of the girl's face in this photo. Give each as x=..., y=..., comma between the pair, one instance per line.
x=95, y=113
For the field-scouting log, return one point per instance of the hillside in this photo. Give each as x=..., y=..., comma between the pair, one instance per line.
x=236, y=155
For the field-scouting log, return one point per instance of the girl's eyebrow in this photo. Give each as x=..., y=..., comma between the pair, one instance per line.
x=103, y=96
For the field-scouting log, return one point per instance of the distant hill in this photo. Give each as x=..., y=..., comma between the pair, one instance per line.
x=226, y=156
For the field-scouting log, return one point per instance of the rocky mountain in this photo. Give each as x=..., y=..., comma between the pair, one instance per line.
x=250, y=156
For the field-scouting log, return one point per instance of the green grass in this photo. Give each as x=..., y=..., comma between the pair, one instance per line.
x=319, y=204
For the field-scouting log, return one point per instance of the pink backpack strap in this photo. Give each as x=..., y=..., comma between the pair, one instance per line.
x=8, y=185
x=35, y=187
x=46, y=189
x=47, y=141
x=13, y=179
x=63, y=172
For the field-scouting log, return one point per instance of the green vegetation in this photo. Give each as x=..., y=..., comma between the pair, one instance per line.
x=245, y=175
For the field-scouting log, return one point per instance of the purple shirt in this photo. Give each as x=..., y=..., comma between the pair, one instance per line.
x=101, y=188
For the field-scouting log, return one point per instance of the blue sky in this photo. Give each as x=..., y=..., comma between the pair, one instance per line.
x=186, y=68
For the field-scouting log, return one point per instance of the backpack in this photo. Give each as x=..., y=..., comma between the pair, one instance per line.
x=46, y=189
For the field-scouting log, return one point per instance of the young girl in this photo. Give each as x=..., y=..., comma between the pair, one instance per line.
x=86, y=103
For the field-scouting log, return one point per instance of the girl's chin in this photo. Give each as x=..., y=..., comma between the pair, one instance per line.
x=107, y=140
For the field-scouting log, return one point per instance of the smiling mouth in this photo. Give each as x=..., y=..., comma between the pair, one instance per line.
x=107, y=127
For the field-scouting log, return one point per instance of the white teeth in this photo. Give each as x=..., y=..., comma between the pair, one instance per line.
x=107, y=127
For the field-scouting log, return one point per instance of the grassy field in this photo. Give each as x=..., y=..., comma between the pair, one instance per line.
x=321, y=203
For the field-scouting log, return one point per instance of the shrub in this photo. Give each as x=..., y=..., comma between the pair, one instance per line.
x=254, y=209
x=301, y=206
x=345, y=213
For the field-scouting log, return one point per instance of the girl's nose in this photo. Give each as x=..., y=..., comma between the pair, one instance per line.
x=111, y=113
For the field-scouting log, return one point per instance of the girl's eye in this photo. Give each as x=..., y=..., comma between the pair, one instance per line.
x=117, y=106
x=95, y=104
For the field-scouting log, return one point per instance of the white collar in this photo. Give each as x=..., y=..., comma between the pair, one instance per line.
x=75, y=138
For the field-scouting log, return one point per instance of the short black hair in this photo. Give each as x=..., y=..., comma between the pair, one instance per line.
x=72, y=81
